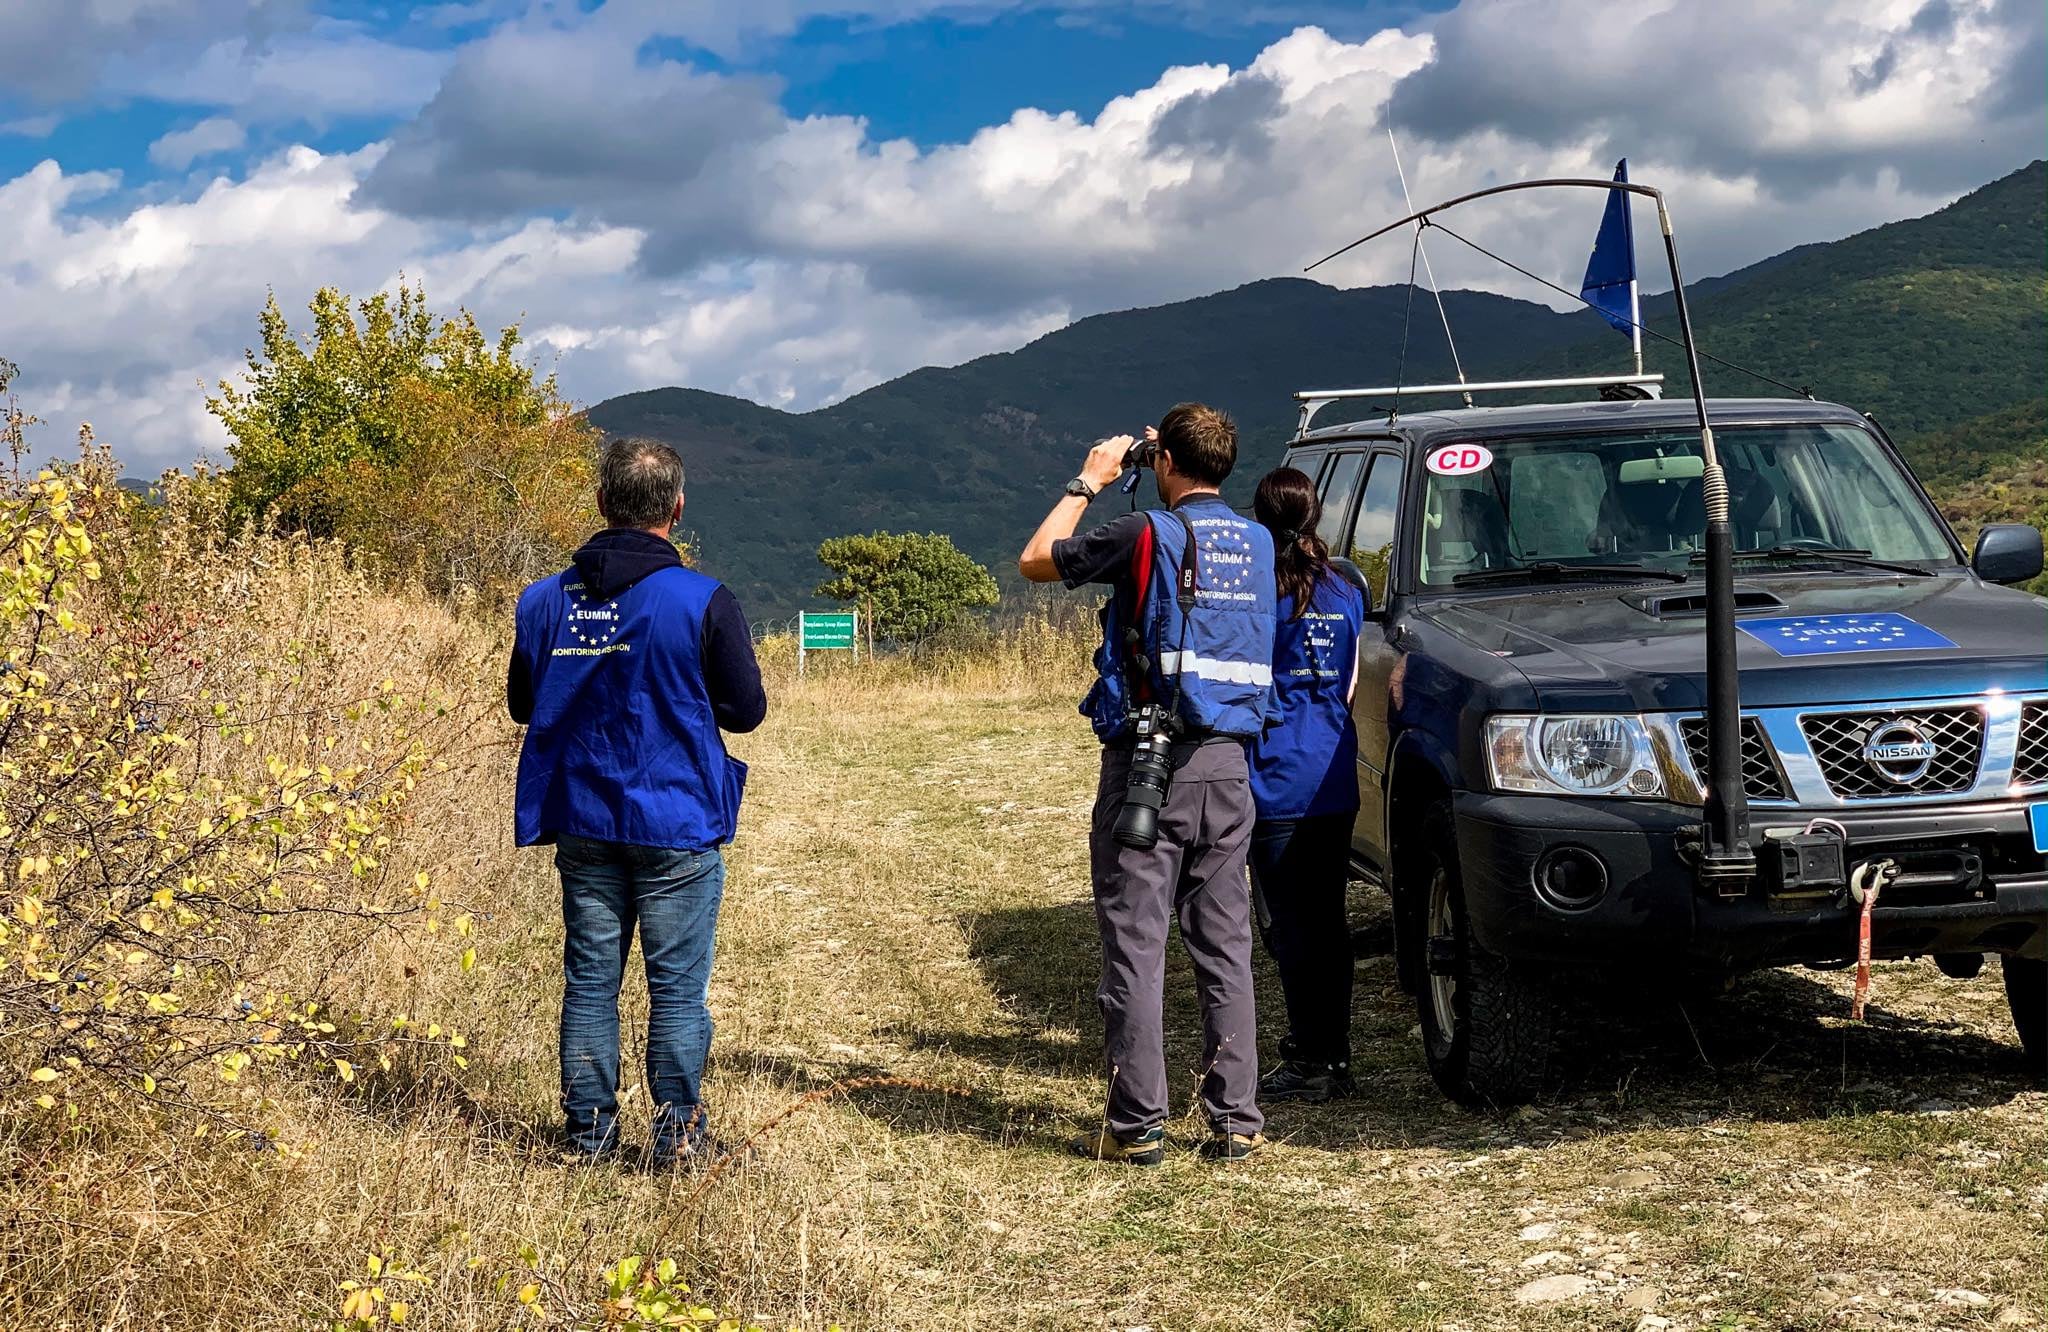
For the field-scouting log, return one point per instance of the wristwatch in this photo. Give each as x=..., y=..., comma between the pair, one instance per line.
x=1079, y=486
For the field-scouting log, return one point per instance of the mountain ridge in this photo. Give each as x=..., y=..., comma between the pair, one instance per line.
x=1927, y=322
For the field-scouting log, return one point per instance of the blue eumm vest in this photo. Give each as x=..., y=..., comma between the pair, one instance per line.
x=1221, y=655
x=623, y=746
x=1305, y=762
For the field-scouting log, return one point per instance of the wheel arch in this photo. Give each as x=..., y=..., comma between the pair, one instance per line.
x=1421, y=774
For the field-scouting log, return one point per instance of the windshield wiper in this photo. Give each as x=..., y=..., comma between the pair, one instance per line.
x=1838, y=554
x=1553, y=571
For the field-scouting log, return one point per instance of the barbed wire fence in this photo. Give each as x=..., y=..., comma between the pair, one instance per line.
x=779, y=628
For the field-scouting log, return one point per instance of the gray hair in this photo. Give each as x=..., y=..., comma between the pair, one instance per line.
x=638, y=483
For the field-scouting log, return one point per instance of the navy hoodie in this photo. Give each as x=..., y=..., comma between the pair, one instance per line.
x=619, y=557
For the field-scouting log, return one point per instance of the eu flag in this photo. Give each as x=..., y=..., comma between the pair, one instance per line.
x=1834, y=635
x=1611, y=272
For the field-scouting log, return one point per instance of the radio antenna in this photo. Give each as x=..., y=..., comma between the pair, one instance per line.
x=1408, y=201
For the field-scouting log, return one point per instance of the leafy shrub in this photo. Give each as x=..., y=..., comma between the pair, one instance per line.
x=416, y=440
x=197, y=798
x=908, y=586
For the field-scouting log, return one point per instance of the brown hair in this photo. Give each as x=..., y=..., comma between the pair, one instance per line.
x=1286, y=505
x=1202, y=442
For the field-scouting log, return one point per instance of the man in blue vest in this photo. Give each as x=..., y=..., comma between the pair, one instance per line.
x=1199, y=650
x=625, y=668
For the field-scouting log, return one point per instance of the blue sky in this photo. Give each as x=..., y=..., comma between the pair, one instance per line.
x=791, y=200
x=939, y=80
x=933, y=80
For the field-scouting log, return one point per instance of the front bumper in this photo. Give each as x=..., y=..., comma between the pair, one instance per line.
x=1653, y=915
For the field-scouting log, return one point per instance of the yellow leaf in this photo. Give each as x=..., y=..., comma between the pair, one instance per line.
x=468, y=958
x=47, y=1101
x=348, y=1074
x=528, y=1293
x=43, y=1075
x=148, y=1085
x=420, y=880
x=399, y=1311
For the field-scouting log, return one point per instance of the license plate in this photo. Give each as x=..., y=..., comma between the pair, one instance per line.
x=2037, y=816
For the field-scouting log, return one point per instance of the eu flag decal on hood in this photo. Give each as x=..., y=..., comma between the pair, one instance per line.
x=1611, y=272
x=1834, y=635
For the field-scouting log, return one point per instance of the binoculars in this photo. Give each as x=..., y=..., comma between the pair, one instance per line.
x=1136, y=459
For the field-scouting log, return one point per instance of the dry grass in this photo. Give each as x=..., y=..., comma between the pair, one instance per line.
x=908, y=899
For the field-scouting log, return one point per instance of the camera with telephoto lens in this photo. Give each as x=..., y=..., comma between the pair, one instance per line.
x=1150, y=777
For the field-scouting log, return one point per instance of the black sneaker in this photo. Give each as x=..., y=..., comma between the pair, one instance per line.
x=1300, y=1080
x=1232, y=1146
x=1147, y=1149
x=699, y=1153
x=574, y=1157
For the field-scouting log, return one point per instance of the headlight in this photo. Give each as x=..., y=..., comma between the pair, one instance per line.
x=1605, y=755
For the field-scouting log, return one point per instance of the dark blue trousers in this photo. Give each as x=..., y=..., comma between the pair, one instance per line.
x=1300, y=869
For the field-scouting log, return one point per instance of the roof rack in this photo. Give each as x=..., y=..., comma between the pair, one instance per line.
x=1314, y=400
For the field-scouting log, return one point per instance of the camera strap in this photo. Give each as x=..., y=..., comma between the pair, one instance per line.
x=1185, y=581
x=1184, y=596
x=1190, y=569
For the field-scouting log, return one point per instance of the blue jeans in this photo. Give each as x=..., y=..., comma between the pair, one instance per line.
x=673, y=896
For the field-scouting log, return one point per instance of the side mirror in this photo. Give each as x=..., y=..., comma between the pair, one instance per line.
x=2007, y=553
x=1355, y=576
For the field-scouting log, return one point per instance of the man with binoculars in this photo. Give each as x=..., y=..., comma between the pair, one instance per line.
x=1185, y=668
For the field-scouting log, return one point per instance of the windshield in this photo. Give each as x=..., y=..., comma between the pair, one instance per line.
x=1618, y=499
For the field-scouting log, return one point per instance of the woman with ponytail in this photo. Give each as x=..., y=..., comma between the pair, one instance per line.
x=1304, y=767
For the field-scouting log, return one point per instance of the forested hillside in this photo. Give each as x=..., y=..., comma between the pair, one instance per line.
x=976, y=450
x=1993, y=469
x=1937, y=324
x=1922, y=323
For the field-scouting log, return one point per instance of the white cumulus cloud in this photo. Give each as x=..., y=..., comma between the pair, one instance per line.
x=650, y=221
x=209, y=138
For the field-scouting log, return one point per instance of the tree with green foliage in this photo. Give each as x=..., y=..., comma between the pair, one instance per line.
x=907, y=586
x=418, y=440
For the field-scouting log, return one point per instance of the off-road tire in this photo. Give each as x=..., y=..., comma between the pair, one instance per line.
x=1498, y=1050
x=2026, y=990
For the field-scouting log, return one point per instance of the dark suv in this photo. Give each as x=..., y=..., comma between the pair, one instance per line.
x=1530, y=709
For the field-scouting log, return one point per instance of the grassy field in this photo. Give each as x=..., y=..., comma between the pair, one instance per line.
x=909, y=901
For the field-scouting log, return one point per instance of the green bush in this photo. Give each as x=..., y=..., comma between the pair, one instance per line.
x=908, y=586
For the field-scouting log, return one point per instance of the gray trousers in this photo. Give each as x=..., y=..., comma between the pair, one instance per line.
x=1195, y=872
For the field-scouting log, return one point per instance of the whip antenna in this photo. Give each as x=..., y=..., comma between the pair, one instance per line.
x=1408, y=201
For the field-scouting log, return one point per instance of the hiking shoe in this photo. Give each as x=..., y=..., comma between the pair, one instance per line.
x=699, y=1153
x=574, y=1158
x=1147, y=1149
x=1232, y=1146
x=1299, y=1080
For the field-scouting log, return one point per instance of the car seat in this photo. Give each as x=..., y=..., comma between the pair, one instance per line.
x=1472, y=535
x=1754, y=513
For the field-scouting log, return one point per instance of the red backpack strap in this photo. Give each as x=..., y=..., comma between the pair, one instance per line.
x=1141, y=582
x=1141, y=563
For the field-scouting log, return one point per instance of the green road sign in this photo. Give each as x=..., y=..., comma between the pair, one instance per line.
x=831, y=629
x=826, y=631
